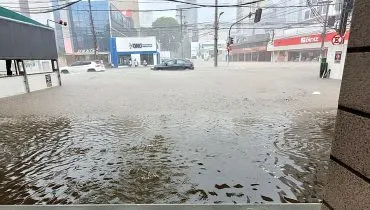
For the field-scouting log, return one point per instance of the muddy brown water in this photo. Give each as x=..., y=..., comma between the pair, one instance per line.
x=169, y=158
x=231, y=135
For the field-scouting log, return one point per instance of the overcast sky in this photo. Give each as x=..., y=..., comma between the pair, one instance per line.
x=204, y=14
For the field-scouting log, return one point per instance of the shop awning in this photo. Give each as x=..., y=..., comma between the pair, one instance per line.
x=11, y=15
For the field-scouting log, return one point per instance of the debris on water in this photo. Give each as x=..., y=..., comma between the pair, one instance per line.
x=200, y=164
x=265, y=198
x=230, y=194
x=254, y=189
x=238, y=186
x=218, y=171
x=213, y=193
x=203, y=195
x=316, y=93
x=248, y=199
x=158, y=137
x=254, y=185
x=222, y=186
x=217, y=202
x=103, y=150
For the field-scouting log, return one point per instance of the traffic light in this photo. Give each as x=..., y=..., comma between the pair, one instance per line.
x=61, y=22
x=258, y=15
x=231, y=40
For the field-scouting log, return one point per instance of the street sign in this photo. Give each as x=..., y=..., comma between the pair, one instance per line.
x=338, y=56
x=337, y=40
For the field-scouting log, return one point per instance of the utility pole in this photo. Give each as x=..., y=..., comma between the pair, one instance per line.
x=181, y=35
x=323, y=64
x=215, y=54
x=93, y=31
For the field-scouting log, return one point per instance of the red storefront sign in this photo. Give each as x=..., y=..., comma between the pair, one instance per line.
x=315, y=38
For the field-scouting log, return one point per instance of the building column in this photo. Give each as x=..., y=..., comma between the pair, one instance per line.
x=348, y=185
x=300, y=56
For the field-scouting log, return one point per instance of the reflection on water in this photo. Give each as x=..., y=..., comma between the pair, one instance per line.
x=168, y=158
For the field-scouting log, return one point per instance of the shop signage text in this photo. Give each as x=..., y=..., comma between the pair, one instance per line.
x=139, y=45
x=136, y=44
x=314, y=39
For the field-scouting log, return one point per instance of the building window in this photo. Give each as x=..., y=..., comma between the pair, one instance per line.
x=307, y=15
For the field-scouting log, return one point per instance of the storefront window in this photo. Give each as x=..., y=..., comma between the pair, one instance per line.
x=124, y=60
x=148, y=58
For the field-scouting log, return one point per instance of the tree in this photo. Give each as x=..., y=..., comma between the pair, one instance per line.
x=167, y=31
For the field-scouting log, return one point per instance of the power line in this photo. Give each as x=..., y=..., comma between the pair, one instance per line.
x=213, y=5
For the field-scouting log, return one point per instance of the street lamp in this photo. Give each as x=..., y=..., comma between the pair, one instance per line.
x=229, y=38
x=220, y=16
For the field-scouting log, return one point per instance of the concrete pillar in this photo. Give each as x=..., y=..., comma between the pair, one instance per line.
x=348, y=185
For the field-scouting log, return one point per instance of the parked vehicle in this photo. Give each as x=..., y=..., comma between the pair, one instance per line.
x=83, y=66
x=175, y=64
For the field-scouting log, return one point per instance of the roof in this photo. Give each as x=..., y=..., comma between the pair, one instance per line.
x=8, y=14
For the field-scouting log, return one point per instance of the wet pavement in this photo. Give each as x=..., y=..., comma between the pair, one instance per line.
x=238, y=134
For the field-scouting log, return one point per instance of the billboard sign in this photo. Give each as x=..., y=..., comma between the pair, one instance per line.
x=136, y=44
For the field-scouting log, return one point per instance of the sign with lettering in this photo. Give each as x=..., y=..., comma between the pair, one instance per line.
x=310, y=39
x=139, y=45
x=136, y=44
x=305, y=40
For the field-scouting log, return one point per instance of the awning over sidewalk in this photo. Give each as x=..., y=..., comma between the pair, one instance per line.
x=24, y=38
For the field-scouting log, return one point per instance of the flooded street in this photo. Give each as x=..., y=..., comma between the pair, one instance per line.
x=247, y=133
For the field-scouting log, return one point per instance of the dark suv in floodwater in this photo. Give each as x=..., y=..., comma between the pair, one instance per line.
x=175, y=64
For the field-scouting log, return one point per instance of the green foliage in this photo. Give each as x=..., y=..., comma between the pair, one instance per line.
x=167, y=31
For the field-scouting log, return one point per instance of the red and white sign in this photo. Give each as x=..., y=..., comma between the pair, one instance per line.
x=337, y=40
x=315, y=38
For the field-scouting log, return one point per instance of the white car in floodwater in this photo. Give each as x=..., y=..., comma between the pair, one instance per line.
x=83, y=66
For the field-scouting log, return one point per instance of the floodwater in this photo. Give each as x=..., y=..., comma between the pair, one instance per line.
x=246, y=152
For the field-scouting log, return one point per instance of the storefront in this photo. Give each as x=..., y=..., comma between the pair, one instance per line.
x=126, y=49
x=308, y=49
x=254, y=54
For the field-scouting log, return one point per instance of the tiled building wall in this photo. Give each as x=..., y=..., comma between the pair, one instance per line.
x=349, y=176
